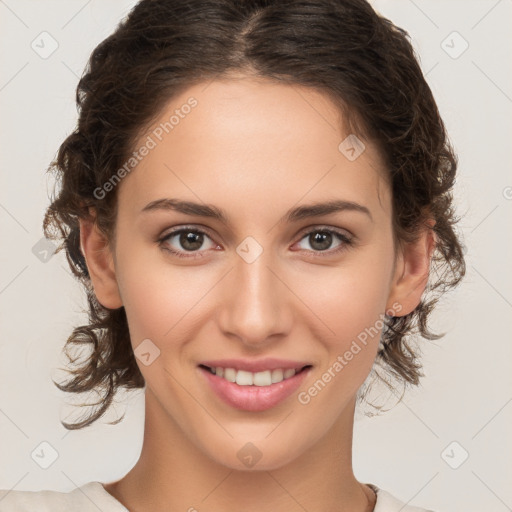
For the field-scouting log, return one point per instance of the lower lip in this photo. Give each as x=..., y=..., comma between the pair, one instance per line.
x=253, y=398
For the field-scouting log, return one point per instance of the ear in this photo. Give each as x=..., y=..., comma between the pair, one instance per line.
x=412, y=272
x=100, y=264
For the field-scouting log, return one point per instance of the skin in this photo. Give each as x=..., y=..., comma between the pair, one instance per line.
x=254, y=148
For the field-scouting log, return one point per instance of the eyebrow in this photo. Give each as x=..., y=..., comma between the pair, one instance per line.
x=292, y=215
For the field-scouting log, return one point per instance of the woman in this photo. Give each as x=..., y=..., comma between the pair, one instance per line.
x=255, y=197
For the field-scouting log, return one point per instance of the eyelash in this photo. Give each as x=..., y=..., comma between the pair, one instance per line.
x=346, y=241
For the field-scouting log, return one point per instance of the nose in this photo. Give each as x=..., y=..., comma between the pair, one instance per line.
x=256, y=303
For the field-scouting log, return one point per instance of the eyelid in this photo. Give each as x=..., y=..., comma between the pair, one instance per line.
x=326, y=227
x=302, y=232
x=192, y=227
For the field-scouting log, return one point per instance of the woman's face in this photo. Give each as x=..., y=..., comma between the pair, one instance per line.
x=259, y=283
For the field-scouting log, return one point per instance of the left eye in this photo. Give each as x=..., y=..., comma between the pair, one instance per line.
x=321, y=240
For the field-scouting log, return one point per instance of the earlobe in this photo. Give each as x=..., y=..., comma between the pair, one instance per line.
x=100, y=264
x=412, y=272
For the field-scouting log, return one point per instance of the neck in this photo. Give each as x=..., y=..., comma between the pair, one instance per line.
x=173, y=473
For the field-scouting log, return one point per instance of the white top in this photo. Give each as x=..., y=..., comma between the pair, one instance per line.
x=92, y=497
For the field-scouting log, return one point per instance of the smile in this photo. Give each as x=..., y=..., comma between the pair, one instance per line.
x=246, y=378
x=253, y=391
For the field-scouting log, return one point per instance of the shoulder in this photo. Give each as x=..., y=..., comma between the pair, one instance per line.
x=90, y=497
x=386, y=502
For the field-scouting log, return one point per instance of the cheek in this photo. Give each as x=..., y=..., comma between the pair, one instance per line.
x=351, y=298
x=350, y=301
x=160, y=298
x=352, y=306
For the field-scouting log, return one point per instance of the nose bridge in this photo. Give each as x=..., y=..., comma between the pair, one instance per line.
x=255, y=307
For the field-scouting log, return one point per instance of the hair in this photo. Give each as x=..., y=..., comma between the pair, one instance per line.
x=342, y=48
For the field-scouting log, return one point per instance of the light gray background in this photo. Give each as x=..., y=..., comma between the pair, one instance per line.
x=467, y=393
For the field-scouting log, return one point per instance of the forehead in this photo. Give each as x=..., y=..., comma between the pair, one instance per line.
x=257, y=147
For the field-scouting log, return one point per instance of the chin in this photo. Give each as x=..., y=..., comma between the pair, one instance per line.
x=245, y=455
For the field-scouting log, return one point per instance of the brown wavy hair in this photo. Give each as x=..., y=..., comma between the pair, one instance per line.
x=343, y=48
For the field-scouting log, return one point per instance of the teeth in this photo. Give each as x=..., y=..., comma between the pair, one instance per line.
x=289, y=373
x=262, y=378
x=277, y=375
x=244, y=378
x=229, y=373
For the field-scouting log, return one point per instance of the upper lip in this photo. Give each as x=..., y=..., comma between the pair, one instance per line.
x=256, y=365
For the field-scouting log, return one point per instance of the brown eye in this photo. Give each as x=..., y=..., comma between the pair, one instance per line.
x=190, y=241
x=184, y=240
x=321, y=240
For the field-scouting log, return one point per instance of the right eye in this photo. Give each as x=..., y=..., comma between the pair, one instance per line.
x=190, y=240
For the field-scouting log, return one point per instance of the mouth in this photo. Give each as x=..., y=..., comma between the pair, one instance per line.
x=248, y=378
x=253, y=391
